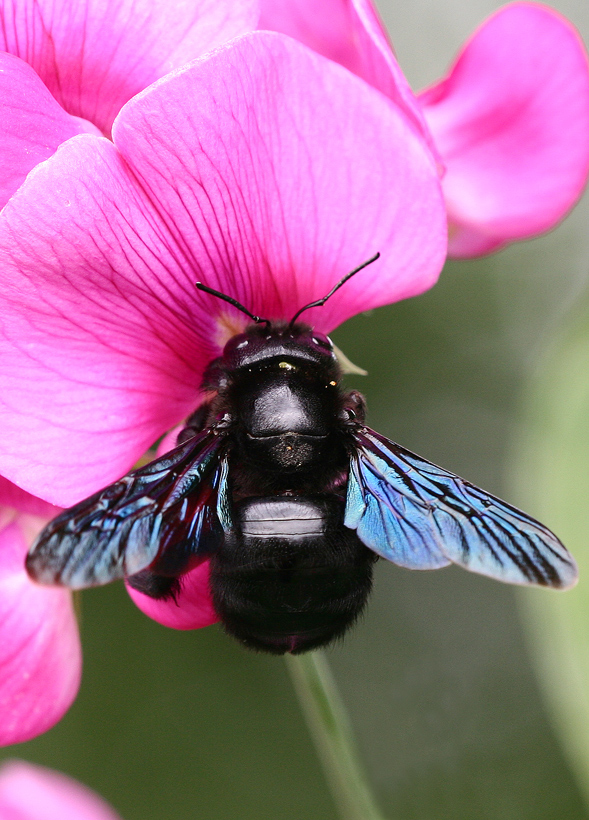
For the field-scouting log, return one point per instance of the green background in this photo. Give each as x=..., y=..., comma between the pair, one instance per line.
x=438, y=678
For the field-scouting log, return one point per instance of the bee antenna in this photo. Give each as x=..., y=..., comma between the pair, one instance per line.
x=233, y=302
x=321, y=302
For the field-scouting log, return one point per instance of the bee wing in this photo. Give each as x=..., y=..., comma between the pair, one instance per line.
x=122, y=529
x=420, y=516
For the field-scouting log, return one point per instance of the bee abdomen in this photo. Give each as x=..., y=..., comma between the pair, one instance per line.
x=283, y=516
x=290, y=576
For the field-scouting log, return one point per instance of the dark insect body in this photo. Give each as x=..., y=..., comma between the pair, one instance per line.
x=279, y=483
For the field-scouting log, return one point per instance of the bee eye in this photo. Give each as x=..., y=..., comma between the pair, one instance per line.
x=235, y=343
x=322, y=341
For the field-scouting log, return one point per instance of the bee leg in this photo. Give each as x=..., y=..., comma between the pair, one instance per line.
x=194, y=423
x=161, y=587
x=354, y=407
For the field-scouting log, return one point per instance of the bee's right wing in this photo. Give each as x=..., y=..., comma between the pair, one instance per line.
x=170, y=503
x=421, y=516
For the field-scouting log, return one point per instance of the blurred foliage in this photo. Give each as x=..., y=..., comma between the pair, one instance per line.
x=554, y=449
x=170, y=725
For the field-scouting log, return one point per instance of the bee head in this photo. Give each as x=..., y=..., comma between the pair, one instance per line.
x=265, y=339
x=296, y=343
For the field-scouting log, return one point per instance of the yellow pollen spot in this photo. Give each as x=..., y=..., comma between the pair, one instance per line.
x=333, y=384
x=286, y=366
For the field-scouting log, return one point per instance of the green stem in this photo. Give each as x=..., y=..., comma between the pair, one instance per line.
x=330, y=728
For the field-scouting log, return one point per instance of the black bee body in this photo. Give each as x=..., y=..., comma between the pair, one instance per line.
x=286, y=575
x=278, y=482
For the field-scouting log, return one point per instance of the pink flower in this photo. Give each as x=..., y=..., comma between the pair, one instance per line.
x=71, y=66
x=30, y=792
x=263, y=170
x=40, y=659
x=40, y=653
x=510, y=122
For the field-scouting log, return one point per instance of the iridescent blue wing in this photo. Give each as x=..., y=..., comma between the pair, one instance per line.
x=163, y=511
x=419, y=516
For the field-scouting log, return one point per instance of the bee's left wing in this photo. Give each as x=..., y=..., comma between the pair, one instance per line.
x=420, y=516
x=167, y=507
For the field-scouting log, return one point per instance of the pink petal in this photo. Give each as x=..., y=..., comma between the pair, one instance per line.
x=40, y=658
x=94, y=55
x=303, y=173
x=30, y=792
x=98, y=321
x=32, y=124
x=14, y=498
x=235, y=181
x=193, y=608
x=351, y=33
x=511, y=122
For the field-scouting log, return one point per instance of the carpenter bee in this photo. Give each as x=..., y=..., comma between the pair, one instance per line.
x=277, y=480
